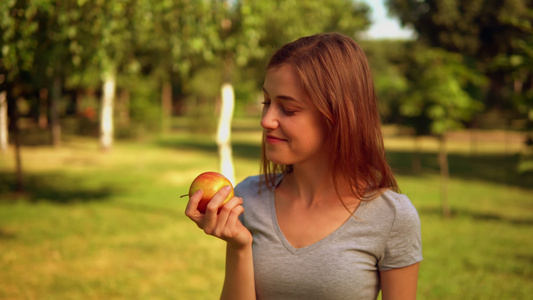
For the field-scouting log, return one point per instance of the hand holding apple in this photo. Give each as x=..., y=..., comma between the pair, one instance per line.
x=223, y=224
x=210, y=183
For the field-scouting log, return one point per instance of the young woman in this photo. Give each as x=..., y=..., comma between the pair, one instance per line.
x=325, y=220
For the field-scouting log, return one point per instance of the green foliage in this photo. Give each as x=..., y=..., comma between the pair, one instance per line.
x=176, y=36
x=18, y=42
x=144, y=109
x=387, y=59
x=495, y=34
x=437, y=90
x=264, y=26
x=481, y=28
x=177, y=40
x=80, y=42
x=204, y=91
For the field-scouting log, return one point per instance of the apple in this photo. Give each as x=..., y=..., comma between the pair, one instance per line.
x=210, y=183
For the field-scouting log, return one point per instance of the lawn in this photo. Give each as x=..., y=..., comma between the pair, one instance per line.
x=96, y=225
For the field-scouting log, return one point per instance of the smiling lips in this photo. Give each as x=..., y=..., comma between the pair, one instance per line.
x=270, y=139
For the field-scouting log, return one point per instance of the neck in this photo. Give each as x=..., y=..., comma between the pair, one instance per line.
x=311, y=184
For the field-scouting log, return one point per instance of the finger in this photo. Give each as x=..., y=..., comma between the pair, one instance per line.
x=234, y=230
x=211, y=213
x=191, y=209
x=234, y=216
x=226, y=209
x=230, y=205
x=232, y=219
x=227, y=215
x=216, y=202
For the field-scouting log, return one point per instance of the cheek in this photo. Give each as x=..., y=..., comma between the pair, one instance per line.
x=315, y=137
x=322, y=136
x=320, y=128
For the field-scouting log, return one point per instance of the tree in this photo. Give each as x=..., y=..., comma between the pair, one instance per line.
x=18, y=27
x=55, y=28
x=264, y=26
x=482, y=30
x=33, y=43
x=104, y=39
x=387, y=59
x=174, y=38
x=437, y=96
x=3, y=119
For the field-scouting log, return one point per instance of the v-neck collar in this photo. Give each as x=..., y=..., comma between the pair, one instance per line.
x=353, y=218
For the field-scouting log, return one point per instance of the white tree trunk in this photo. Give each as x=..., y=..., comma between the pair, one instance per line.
x=3, y=122
x=223, y=137
x=106, y=115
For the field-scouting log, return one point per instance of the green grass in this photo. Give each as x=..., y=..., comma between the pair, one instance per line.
x=96, y=225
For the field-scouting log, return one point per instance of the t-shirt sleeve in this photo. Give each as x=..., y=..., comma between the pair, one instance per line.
x=246, y=189
x=240, y=191
x=404, y=244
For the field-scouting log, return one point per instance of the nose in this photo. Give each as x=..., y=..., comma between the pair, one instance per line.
x=269, y=119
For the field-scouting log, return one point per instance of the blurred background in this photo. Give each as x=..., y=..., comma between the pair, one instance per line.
x=109, y=109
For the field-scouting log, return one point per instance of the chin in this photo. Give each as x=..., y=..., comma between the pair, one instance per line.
x=278, y=159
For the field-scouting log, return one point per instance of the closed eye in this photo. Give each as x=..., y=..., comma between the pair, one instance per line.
x=288, y=112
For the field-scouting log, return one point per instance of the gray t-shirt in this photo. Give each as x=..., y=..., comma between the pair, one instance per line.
x=385, y=234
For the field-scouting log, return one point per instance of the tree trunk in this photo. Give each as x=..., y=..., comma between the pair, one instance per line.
x=124, y=108
x=43, y=108
x=223, y=137
x=106, y=115
x=444, y=176
x=416, y=165
x=18, y=160
x=494, y=98
x=473, y=141
x=14, y=129
x=54, y=113
x=166, y=105
x=4, y=140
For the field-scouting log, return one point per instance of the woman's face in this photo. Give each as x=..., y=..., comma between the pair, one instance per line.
x=295, y=131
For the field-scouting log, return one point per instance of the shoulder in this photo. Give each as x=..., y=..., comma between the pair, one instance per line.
x=394, y=212
x=399, y=205
x=255, y=200
x=403, y=244
x=254, y=185
x=250, y=186
x=249, y=183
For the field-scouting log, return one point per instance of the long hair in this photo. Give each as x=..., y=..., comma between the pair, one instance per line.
x=334, y=73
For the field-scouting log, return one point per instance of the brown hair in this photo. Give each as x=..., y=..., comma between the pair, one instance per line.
x=335, y=74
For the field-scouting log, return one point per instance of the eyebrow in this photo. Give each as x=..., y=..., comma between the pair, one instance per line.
x=282, y=97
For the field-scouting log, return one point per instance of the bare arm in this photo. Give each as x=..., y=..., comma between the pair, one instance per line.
x=225, y=224
x=399, y=284
x=239, y=280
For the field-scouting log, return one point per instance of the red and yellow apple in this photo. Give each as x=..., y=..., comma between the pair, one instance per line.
x=210, y=183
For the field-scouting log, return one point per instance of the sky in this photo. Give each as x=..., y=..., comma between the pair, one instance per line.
x=384, y=26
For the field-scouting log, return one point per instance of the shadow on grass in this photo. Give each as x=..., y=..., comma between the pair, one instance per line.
x=139, y=208
x=500, y=169
x=495, y=168
x=55, y=188
x=240, y=149
x=479, y=216
x=7, y=235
